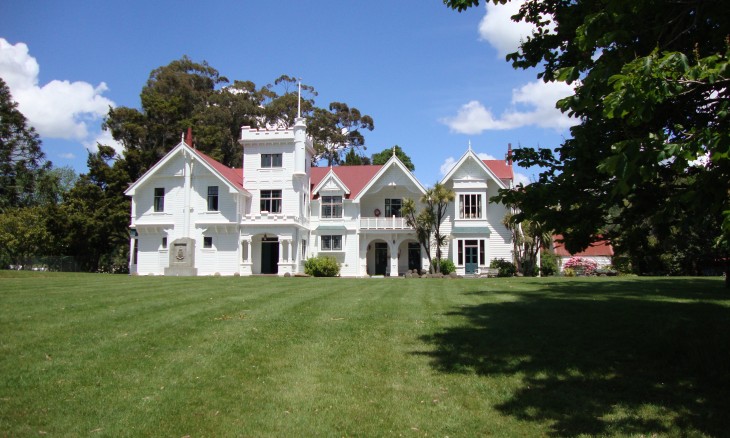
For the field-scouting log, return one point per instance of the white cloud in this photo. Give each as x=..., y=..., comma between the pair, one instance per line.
x=59, y=109
x=498, y=29
x=521, y=178
x=532, y=105
x=447, y=165
x=104, y=138
x=483, y=156
x=67, y=155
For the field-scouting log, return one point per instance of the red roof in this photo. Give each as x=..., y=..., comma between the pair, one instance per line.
x=500, y=168
x=600, y=248
x=354, y=177
x=232, y=175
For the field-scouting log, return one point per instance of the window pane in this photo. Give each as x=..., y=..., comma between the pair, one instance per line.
x=159, y=204
x=212, y=198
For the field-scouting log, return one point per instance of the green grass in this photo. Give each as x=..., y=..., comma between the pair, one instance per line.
x=102, y=355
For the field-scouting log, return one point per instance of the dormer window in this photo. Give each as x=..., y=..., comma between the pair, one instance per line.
x=270, y=160
x=331, y=207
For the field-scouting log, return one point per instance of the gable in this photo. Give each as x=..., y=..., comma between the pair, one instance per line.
x=173, y=164
x=355, y=178
x=472, y=168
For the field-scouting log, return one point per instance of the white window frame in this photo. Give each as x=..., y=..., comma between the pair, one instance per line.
x=332, y=207
x=271, y=200
x=389, y=207
x=463, y=204
x=271, y=161
x=331, y=239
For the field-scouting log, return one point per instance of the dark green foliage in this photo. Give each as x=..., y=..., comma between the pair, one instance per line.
x=652, y=96
x=446, y=265
x=506, y=269
x=22, y=162
x=548, y=263
x=384, y=156
x=353, y=158
x=322, y=266
x=338, y=130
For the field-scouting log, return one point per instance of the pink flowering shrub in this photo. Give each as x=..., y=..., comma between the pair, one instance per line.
x=580, y=264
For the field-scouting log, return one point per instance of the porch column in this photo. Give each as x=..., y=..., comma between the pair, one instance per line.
x=132, y=245
x=393, y=259
x=281, y=252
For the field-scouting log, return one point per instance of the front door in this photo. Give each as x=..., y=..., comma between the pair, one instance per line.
x=414, y=256
x=381, y=258
x=471, y=258
x=270, y=255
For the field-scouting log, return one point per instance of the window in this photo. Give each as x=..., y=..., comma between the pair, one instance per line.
x=271, y=201
x=159, y=199
x=164, y=243
x=304, y=249
x=332, y=243
x=470, y=206
x=270, y=160
x=212, y=198
x=331, y=206
x=392, y=207
x=463, y=245
x=207, y=242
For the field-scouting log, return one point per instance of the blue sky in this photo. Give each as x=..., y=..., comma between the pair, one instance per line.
x=432, y=79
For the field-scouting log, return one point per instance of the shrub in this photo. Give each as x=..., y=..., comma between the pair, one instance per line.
x=447, y=266
x=581, y=266
x=322, y=266
x=569, y=272
x=506, y=269
x=548, y=263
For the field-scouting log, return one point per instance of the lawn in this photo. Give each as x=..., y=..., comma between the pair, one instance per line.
x=103, y=355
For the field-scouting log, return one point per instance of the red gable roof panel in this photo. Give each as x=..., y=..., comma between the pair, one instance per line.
x=354, y=177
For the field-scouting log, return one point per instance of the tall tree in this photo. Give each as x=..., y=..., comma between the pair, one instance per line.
x=652, y=93
x=427, y=222
x=95, y=215
x=338, y=130
x=22, y=162
x=383, y=156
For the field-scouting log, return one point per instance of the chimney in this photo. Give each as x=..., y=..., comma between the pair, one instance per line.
x=189, y=137
x=509, y=154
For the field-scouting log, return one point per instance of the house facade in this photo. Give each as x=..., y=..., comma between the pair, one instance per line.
x=191, y=215
x=600, y=252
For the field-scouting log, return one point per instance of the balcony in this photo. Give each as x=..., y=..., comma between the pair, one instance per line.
x=384, y=223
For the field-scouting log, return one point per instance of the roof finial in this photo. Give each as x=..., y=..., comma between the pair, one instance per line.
x=299, y=99
x=470, y=144
x=394, y=150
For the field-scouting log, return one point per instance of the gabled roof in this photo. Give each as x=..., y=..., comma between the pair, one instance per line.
x=231, y=176
x=600, y=248
x=330, y=176
x=354, y=177
x=498, y=170
x=394, y=161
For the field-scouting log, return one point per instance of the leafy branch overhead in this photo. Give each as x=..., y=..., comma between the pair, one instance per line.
x=651, y=155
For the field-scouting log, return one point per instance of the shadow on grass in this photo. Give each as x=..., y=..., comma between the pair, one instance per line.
x=595, y=358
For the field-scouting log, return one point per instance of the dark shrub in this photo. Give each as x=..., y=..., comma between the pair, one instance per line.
x=506, y=269
x=322, y=266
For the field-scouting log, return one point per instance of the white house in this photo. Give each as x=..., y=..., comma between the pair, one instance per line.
x=191, y=215
x=601, y=252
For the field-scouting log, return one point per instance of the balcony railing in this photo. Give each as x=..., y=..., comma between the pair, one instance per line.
x=384, y=223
